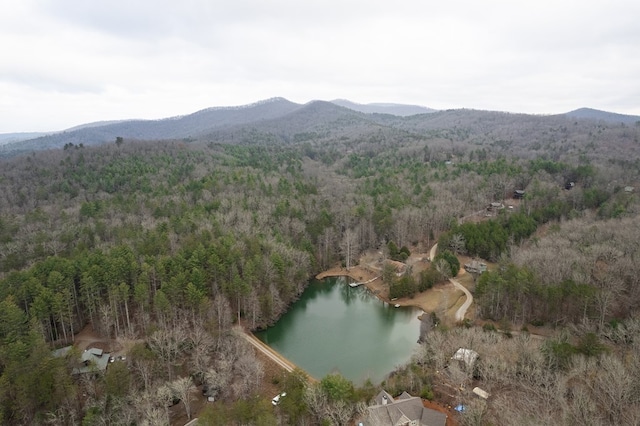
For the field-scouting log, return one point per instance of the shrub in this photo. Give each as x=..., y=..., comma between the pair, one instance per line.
x=590, y=345
x=428, y=278
x=489, y=327
x=426, y=392
x=451, y=259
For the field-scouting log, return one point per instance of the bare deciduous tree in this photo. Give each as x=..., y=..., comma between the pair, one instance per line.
x=222, y=312
x=182, y=389
x=250, y=370
x=442, y=266
x=202, y=345
x=349, y=246
x=166, y=343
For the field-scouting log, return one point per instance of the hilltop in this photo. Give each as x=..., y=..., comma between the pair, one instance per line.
x=595, y=114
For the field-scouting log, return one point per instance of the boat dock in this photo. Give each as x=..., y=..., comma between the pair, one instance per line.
x=365, y=282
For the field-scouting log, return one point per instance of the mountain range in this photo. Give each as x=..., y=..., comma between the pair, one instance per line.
x=277, y=120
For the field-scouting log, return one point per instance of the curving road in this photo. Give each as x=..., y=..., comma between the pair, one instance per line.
x=433, y=251
x=462, y=310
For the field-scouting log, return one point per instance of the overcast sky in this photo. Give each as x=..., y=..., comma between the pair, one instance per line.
x=68, y=62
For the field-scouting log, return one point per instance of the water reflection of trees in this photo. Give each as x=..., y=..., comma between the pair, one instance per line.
x=325, y=286
x=389, y=314
x=346, y=293
x=350, y=294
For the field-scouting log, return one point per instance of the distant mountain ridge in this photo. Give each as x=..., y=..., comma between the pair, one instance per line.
x=401, y=110
x=95, y=124
x=6, y=138
x=211, y=122
x=596, y=114
x=278, y=120
x=189, y=126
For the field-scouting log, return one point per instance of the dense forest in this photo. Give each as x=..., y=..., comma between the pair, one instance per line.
x=168, y=244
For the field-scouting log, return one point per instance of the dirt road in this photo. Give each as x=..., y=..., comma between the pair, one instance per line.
x=270, y=353
x=433, y=251
x=462, y=310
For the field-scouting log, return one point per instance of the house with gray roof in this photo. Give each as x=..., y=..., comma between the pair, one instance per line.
x=92, y=360
x=405, y=410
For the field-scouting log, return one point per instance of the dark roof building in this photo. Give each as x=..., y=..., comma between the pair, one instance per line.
x=92, y=360
x=405, y=410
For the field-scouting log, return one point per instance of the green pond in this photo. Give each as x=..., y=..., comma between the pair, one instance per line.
x=337, y=328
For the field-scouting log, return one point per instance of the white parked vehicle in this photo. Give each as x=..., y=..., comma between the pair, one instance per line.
x=278, y=398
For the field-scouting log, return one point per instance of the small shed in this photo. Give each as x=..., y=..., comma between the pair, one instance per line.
x=518, y=193
x=628, y=189
x=481, y=393
x=494, y=208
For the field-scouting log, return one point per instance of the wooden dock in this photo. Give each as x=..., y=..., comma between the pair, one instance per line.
x=357, y=284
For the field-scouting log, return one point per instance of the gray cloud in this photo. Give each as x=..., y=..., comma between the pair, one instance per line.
x=149, y=59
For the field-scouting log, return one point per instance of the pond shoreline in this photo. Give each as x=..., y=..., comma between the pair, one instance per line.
x=333, y=327
x=429, y=301
x=361, y=275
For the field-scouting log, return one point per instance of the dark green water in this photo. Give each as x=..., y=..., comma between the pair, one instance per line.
x=336, y=328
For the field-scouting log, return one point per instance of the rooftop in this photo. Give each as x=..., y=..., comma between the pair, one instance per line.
x=401, y=411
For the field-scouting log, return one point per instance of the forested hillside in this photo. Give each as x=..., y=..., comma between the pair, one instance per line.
x=172, y=241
